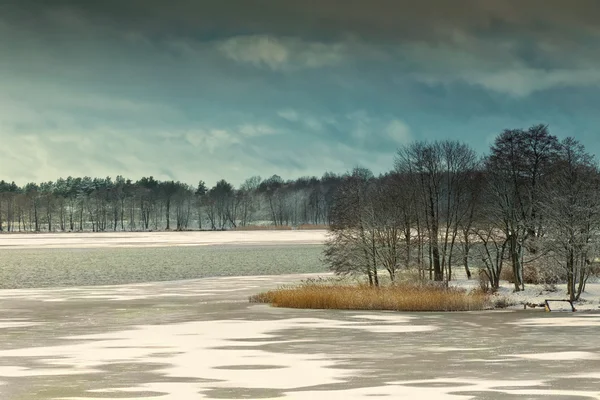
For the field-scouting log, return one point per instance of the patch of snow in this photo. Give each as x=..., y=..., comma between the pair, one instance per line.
x=559, y=356
x=7, y=324
x=591, y=375
x=202, y=288
x=19, y=372
x=202, y=349
x=384, y=317
x=579, y=321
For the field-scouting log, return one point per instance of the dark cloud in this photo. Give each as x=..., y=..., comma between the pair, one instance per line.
x=377, y=19
x=208, y=89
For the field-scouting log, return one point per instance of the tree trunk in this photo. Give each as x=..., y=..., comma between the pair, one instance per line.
x=438, y=274
x=168, y=214
x=515, y=256
x=467, y=248
x=35, y=216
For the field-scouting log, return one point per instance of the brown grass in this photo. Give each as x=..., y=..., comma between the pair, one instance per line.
x=363, y=297
x=303, y=227
x=308, y=227
x=263, y=228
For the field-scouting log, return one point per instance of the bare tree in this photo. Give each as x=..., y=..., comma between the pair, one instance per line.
x=470, y=208
x=492, y=252
x=183, y=200
x=167, y=190
x=200, y=194
x=390, y=222
x=442, y=171
x=518, y=169
x=490, y=243
x=219, y=201
x=247, y=199
x=571, y=207
x=351, y=247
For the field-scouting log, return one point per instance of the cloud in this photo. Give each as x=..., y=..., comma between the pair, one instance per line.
x=525, y=81
x=218, y=139
x=30, y=108
x=139, y=87
x=518, y=82
x=250, y=130
x=398, y=131
x=502, y=65
x=288, y=114
x=307, y=121
x=381, y=20
x=210, y=139
x=377, y=132
x=281, y=53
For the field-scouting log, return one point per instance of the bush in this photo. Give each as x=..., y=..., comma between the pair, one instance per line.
x=503, y=302
x=544, y=273
x=595, y=269
x=532, y=275
x=535, y=274
x=411, y=276
x=507, y=274
x=398, y=297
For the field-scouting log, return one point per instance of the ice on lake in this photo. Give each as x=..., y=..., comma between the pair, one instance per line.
x=201, y=339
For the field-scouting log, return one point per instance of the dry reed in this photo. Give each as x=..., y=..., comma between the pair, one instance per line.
x=263, y=228
x=309, y=227
x=363, y=297
x=303, y=227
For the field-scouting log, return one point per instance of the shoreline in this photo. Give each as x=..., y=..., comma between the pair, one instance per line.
x=159, y=239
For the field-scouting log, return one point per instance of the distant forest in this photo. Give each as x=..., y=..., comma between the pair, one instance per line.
x=104, y=204
x=531, y=199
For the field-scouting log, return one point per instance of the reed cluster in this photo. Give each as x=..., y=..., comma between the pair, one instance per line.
x=405, y=297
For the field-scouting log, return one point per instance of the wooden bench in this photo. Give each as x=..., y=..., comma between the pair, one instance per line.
x=547, y=302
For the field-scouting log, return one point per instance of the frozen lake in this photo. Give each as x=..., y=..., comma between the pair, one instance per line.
x=47, y=260
x=200, y=339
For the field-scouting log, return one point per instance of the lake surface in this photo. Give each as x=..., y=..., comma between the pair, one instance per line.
x=201, y=339
x=52, y=267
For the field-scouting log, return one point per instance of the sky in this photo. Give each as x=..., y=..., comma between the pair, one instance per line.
x=207, y=89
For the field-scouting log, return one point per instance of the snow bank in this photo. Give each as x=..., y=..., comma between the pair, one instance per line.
x=537, y=294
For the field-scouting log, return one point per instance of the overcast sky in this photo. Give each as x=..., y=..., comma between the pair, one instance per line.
x=190, y=90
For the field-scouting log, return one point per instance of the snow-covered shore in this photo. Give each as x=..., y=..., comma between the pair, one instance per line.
x=537, y=294
x=156, y=239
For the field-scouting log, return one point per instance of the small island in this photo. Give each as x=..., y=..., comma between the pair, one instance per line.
x=447, y=230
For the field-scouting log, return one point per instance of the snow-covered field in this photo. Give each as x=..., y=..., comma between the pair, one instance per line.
x=141, y=239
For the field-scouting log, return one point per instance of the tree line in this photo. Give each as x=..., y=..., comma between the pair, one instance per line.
x=104, y=204
x=529, y=206
x=532, y=203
